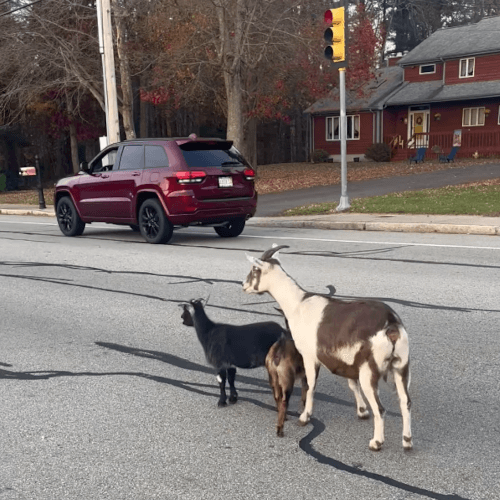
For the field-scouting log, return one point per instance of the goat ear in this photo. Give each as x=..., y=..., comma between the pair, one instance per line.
x=256, y=262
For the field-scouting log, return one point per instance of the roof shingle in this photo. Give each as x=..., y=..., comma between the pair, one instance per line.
x=462, y=41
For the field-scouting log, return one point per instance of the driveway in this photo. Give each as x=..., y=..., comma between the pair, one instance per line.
x=276, y=203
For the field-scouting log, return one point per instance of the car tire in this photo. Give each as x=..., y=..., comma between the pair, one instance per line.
x=153, y=223
x=232, y=229
x=68, y=219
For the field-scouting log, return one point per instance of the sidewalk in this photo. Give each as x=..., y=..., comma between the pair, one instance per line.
x=450, y=224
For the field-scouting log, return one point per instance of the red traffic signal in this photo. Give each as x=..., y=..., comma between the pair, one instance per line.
x=336, y=36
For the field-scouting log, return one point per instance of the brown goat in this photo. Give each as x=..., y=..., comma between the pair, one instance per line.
x=284, y=364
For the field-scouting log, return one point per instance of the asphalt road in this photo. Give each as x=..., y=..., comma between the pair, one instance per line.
x=106, y=395
x=275, y=204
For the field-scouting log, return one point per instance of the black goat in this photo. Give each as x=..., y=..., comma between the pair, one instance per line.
x=229, y=346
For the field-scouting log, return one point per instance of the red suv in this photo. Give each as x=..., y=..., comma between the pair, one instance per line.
x=154, y=185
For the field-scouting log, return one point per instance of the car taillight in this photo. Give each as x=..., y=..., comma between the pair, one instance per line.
x=249, y=174
x=190, y=177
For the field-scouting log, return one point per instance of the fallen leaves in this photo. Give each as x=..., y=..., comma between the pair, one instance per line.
x=291, y=176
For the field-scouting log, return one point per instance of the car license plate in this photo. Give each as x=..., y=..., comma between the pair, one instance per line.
x=225, y=182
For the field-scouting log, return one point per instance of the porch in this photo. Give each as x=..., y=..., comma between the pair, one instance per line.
x=482, y=143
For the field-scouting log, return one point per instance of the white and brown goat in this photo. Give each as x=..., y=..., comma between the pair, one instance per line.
x=361, y=340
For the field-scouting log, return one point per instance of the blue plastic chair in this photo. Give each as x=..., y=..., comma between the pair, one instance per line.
x=450, y=157
x=420, y=156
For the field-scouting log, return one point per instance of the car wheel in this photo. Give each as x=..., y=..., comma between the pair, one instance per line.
x=135, y=228
x=232, y=229
x=153, y=223
x=68, y=219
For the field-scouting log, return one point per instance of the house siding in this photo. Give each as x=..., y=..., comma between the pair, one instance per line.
x=354, y=146
x=486, y=68
x=412, y=74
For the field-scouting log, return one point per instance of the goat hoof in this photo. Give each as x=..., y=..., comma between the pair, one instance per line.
x=375, y=445
x=280, y=433
x=407, y=443
x=304, y=419
x=221, y=404
x=233, y=399
x=363, y=414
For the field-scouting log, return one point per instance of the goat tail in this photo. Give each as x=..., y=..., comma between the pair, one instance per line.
x=399, y=357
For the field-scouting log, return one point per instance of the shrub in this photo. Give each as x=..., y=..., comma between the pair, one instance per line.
x=379, y=152
x=320, y=155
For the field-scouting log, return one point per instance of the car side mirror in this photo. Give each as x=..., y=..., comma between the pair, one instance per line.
x=84, y=166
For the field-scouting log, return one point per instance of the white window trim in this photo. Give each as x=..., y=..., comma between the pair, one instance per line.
x=470, y=109
x=332, y=119
x=467, y=59
x=426, y=72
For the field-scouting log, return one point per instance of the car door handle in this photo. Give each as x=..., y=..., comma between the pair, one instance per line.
x=135, y=174
x=104, y=176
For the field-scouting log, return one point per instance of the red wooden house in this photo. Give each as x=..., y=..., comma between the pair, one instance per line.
x=446, y=90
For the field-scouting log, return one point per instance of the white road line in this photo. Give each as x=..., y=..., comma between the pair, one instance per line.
x=294, y=238
x=392, y=243
x=29, y=223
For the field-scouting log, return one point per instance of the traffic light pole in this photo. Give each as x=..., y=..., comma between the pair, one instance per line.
x=344, y=199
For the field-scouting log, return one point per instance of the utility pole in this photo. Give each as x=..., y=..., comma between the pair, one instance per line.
x=108, y=68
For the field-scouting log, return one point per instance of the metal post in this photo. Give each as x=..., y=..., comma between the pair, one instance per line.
x=41, y=199
x=344, y=199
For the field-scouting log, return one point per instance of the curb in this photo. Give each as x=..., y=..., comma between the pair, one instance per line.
x=398, y=227
x=405, y=227
x=8, y=211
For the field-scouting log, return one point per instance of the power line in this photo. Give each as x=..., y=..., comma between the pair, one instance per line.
x=19, y=8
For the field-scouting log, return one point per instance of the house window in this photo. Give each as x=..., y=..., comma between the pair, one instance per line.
x=427, y=68
x=333, y=127
x=467, y=68
x=473, y=117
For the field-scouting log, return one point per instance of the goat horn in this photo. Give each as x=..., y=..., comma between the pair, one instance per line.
x=271, y=251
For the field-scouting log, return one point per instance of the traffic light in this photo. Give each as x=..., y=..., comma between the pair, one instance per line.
x=336, y=36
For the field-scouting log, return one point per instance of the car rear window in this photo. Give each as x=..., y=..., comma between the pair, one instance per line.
x=211, y=155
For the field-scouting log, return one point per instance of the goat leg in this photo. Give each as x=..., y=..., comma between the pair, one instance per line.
x=282, y=409
x=231, y=376
x=312, y=371
x=361, y=409
x=368, y=379
x=402, y=380
x=304, y=390
x=221, y=378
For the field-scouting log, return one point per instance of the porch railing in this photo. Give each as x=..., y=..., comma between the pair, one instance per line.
x=484, y=143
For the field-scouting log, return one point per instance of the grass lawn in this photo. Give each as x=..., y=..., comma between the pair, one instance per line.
x=478, y=198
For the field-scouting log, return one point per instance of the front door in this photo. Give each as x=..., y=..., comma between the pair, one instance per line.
x=418, y=123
